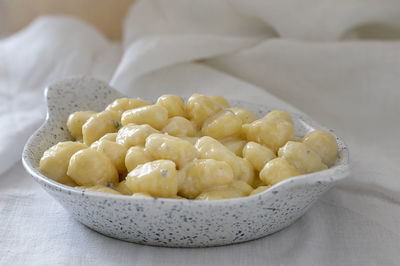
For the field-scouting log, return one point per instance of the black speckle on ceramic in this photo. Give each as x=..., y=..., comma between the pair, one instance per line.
x=172, y=222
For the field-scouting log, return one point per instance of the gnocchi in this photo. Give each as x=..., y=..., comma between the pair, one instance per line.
x=134, y=135
x=235, y=190
x=119, y=106
x=76, y=121
x=202, y=174
x=277, y=170
x=114, y=151
x=136, y=155
x=279, y=114
x=180, y=126
x=110, y=137
x=202, y=150
x=243, y=114
x=154, y=115
x=302, y=157
x=222, y=125
x=200, y=107
x=123, y=188
x=273, y=132
x=89, y=167
x=324, y=144
x=54, y=162
x=98, y=125
x=174, y=105
x=234, y=144
x=157, y=178
x=257, y=154
x=210, y=148
x=161, y=146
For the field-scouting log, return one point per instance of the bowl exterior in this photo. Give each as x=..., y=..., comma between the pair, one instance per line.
x=185, y=223
x=172, y=222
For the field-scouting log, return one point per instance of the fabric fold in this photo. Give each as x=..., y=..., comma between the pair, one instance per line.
x=51, y=48
x=152, y=53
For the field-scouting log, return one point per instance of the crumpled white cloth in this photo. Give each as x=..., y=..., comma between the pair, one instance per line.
x=337, y=61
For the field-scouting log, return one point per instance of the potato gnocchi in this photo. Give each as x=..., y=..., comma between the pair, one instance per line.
x=202, y=150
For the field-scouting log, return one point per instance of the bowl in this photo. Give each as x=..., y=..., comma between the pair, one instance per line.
x=172, y=222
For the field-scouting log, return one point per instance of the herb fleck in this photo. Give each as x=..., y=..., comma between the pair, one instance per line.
x=117, y=124
x=164, y=172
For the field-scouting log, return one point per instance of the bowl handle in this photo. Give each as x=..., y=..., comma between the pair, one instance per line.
x=63, y=98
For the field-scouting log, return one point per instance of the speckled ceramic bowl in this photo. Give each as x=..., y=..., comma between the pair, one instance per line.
x=172, y=222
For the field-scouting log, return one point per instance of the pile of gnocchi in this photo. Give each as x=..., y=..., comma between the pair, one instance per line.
x=204, y=150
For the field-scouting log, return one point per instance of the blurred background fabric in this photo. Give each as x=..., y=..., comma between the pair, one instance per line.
x=337, y=61
x=106, y=15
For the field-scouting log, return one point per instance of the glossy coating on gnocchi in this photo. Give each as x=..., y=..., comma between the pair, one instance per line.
x=204, y=149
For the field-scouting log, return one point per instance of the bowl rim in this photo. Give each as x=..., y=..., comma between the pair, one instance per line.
x=336, y=172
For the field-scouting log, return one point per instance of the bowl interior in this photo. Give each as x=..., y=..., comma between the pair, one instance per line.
x=85, y=93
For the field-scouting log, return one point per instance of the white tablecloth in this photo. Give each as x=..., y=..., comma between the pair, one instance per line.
x=337, y=61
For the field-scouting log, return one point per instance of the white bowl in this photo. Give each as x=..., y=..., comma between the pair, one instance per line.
x=172, y=222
